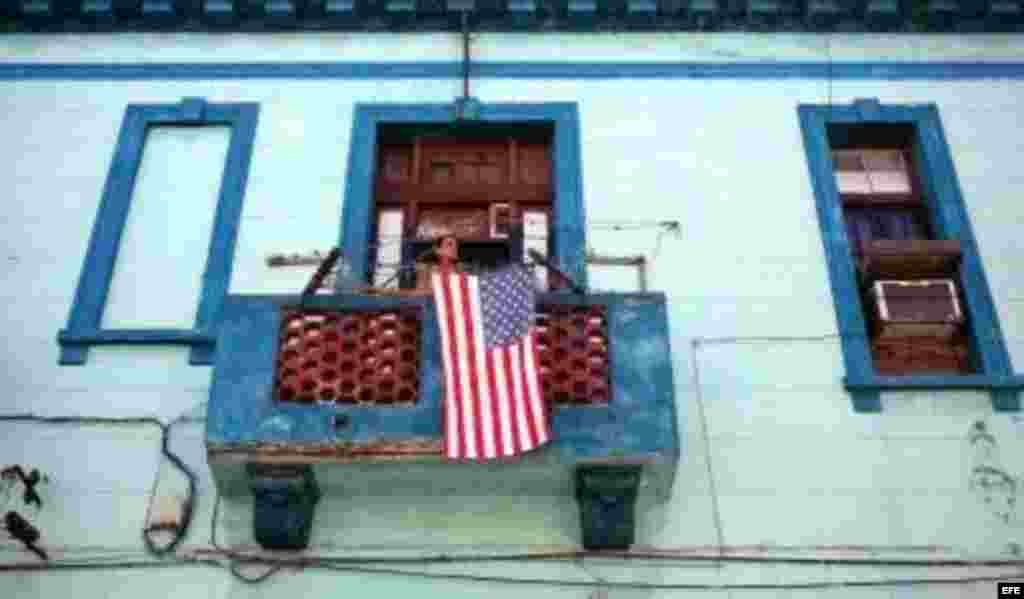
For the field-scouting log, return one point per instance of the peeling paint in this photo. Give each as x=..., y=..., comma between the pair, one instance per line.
x=339, y=449
x=277, y=426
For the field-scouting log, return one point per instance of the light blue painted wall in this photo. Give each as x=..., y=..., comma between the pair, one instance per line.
x=792, y=465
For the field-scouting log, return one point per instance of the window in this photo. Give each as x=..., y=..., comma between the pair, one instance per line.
x=905, y=275
x=483, y=184
x=912, y=301
x=392, y=209
x=85, y=326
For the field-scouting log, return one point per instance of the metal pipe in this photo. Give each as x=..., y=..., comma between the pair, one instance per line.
x=321, y=273
x=465, y=55
x=639, y=261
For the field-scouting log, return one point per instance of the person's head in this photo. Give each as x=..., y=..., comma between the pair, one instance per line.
x=448, y=248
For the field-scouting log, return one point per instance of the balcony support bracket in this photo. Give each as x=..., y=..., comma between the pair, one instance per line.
x=284, y=500
x=607, y=498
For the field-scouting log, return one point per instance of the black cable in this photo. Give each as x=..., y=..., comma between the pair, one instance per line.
x=237, y=558
x=526, y=581
x=615, y=555
x=187, y=509
x=360, y=565
x=670, y=586
x=253, y=580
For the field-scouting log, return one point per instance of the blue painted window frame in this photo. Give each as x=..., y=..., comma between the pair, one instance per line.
x=949, y=216
x=84, y=322
x=568, y=236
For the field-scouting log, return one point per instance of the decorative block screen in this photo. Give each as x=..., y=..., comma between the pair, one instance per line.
x=363, y=357
x=572, y=343
x=360, y=357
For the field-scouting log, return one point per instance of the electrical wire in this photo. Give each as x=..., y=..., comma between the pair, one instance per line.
x=187, y=508
x=362, y=565
x=617, y=584
x=712, y=489
x=181, y=530
x=663, y=555
x=235, y=558
x=550, y=582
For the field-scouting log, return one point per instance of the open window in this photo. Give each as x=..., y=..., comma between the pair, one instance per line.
x=912, y=302
x=489, y=186
x=906, y=274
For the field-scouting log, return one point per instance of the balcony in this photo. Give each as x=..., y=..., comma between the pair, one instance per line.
x=307, y=394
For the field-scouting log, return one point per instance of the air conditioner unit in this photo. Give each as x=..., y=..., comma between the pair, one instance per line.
x=924, y=308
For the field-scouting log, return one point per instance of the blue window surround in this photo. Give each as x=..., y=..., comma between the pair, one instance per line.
x=83, y=328
x=568, y=239
x=949, y=216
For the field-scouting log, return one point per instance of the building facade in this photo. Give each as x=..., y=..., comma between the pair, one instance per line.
x=802, y=236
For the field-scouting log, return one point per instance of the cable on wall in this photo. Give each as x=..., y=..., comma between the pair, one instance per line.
x=180, y=530
x=550, y=582
x=715, y=510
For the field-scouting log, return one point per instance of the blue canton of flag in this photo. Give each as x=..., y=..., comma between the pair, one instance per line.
x=507, y=300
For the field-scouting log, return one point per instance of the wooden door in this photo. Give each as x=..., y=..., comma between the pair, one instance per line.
x=462, y=186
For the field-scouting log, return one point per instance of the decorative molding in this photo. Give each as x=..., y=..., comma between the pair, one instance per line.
x=84, y=322
x=882, y=71
x=513, y=15
x=868, y=109
x=192, y=111
x=949, y=215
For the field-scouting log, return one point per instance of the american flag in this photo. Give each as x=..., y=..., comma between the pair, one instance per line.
x=492, y=399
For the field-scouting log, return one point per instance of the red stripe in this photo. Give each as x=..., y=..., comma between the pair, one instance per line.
x=492, y=381
x=513, y=413
x=540, y=398
x=531, y=418
x=452, y=357
x=474, y=380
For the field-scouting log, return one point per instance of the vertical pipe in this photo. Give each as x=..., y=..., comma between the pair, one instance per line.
x=465, y=55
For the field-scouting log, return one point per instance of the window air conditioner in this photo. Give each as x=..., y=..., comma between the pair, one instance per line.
x=924, y=308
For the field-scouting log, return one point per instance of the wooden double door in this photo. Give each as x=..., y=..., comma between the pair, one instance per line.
x=494, y=193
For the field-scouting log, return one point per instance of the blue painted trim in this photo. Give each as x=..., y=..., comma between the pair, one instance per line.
x=884, y=71
x=967, y=381
x=135, y=336
x=570, y=220
x=952, y=222
x=84, y=322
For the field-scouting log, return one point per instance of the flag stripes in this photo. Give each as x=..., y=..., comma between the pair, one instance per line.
x=492, y=401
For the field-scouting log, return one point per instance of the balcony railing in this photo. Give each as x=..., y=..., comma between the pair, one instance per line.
x=372, y=357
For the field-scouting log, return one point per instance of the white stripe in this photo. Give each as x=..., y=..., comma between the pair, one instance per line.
x=533, y=395
x=449, y=380
x=462, y=352
x=522, y=422
x=483, y=387
x=501, y=382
